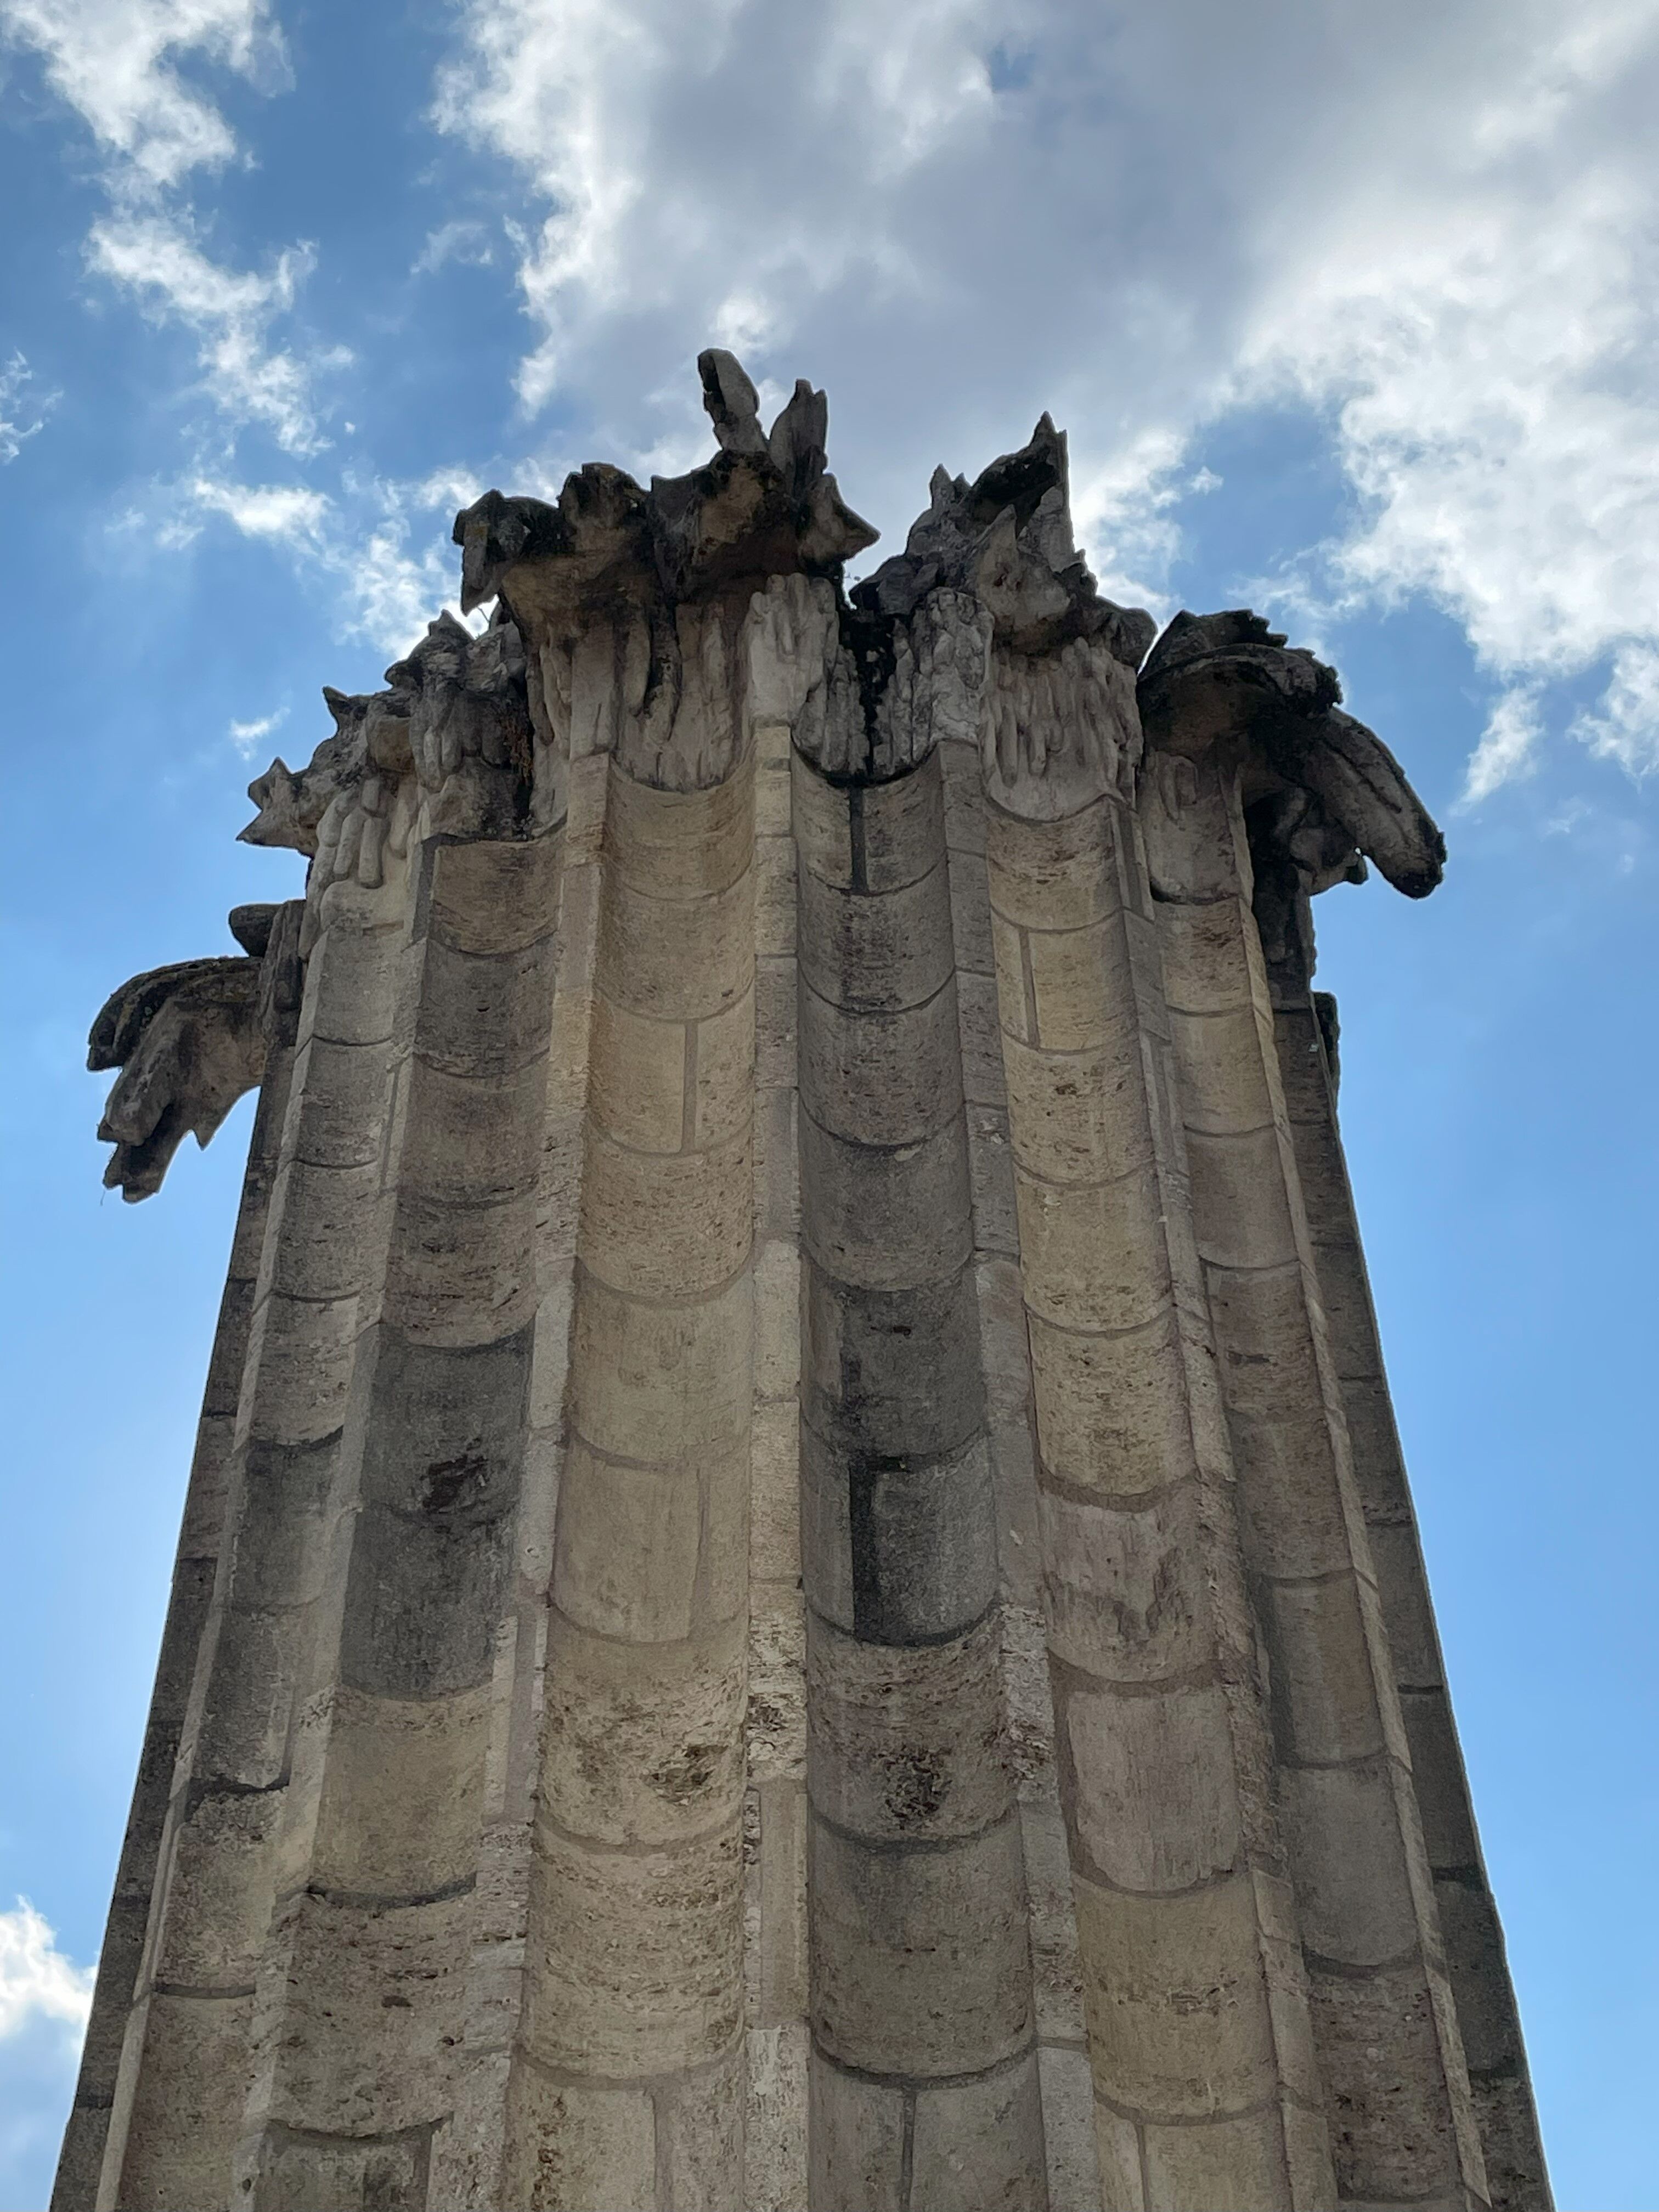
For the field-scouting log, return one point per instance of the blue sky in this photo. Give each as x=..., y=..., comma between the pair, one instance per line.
x=1351, y=315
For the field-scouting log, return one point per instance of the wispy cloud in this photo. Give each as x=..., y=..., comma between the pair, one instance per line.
x=248, y=737
x=23, y=412
x=114, y=62
x=37, y=1983
x=383, y=548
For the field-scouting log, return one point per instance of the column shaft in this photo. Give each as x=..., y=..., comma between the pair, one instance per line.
x=201, y=1544
x=1390, y=2055
x=925, y=2080
x=1195, y=2002
x=1487, y=2018
x=628, y=2086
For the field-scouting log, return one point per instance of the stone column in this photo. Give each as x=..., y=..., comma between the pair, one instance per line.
x=629, y=2081
x=1194, y=1991
x=925, y=2085
x=775, y=1808
x=1067, y=2090
x=273, y=933
x=1390, y=2052
x=1304, y=1034
x=186, y=2067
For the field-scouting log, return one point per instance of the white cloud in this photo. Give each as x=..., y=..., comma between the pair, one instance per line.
x=248, y=737
x=37, y=1982
x=469, y=243
x=358, y=542
x=1434, y=228
x=22, y=413
x=113, y=62
x=1508, y=746
x=157, y=259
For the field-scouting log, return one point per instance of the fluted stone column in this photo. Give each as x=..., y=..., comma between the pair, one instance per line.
x=812, y=1600
x=1304, y=1034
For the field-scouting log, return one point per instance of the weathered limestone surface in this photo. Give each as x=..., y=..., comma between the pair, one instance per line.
x=797, y=1589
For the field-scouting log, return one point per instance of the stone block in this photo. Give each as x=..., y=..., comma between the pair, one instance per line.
x=979, y=1027
x=634, y=1957
x=1403, y=1588
x=1224, y=1077
x=626, y=1557
x=192, y=2087
x=661, y=1227
x=1081, y=988
x=687, y=846
x=898, y=1550
x=775, y=2125
x=777, y=1934
x=872, y=954
x=340, y=1097
x=675, y=961
x=905, y=1744
x=484, y=1018
x=1378, y=1467
x=1240, y=1211
x=855, y=2130
x=774, y=1024
x=369, y=2016
x=571, y=2146
x=775, y=1721
x=462, y=1275
x=1117, y=2149
x=1343, y=1834
x=1112, y=1411
x=722, y=1071
x=978, y=2145
x=1443, y=1795
x=1151, y=1779
x=1479, y=1977
x=1323, y=1692
x=402, y=1798
x=490, y=897
x=894, y=1372
x=1345, y=1292
x=390, y=2171
x=970, y=914
x=774, y=895
x=1291, y=1511
x=1126, y=1586
x=991, y=1172
x=323, y=1232
x=920, y=1962
x=352, y=985
x=1053, y=875
x=1301, y=1056
x=888, y=1219
x=881, y=1078
x=655, y=1382
x=642, y=1744
x=300, y=1352
x=1392, y=2137
x=242, y=1731
x=282, y=1523
x=1238, y=2162
x=1206, y=969
x=1178, y=2021
x=637, y=1078
x=1078, y=1117
x=700, y=2135
x=1094, y=1256
x=219, y=1892
x=1056, y=1964
x=1015, y=1008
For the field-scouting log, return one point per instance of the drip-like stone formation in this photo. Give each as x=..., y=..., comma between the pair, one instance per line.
x=798, y=1588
